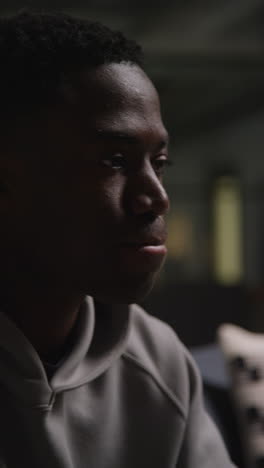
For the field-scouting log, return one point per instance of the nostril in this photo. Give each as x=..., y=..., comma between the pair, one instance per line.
x=157, y=206
x=142, y=204
x=147, y=194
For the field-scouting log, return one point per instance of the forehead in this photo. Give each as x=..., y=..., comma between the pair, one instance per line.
x=112, y=99
x=112, y=84
x=119, y=95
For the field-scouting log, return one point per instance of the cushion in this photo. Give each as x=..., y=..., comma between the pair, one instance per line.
x=244, y=355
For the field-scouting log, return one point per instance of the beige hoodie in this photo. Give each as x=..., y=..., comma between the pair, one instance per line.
x=127, y=396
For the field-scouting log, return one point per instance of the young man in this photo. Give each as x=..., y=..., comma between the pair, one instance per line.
x=87, y=380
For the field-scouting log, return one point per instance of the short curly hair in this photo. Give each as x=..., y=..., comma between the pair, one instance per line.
x=37, y=52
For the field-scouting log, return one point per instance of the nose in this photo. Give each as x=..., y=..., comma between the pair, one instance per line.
x=148, y=194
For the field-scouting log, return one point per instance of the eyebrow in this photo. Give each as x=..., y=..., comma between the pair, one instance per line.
x=127, y=137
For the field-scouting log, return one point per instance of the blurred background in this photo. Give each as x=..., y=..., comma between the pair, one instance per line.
x=207, y=61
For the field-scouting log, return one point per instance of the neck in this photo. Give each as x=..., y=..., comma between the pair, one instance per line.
x=45, y=316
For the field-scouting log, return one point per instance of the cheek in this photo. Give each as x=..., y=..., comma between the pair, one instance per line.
x=102, y=196
x=85, y=216
x=83, y=205
x=110, y=198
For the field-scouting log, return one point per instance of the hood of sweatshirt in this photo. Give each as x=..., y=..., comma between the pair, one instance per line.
x=101, y=336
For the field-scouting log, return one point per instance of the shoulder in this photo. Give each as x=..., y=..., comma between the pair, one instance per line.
x=154, y=347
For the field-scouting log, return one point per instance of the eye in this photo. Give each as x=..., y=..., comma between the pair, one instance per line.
x=160, y=163
x=117, y=162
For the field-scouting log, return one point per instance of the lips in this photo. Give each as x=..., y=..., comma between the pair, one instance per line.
x=143, y=255
x=145, y=241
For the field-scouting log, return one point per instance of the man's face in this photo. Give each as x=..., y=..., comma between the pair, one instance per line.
x=88, y=207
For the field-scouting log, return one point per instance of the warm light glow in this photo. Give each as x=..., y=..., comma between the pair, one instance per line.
x=180, y=238
x=227, y=230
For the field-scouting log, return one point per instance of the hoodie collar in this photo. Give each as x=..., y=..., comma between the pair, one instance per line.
x=100, y=339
